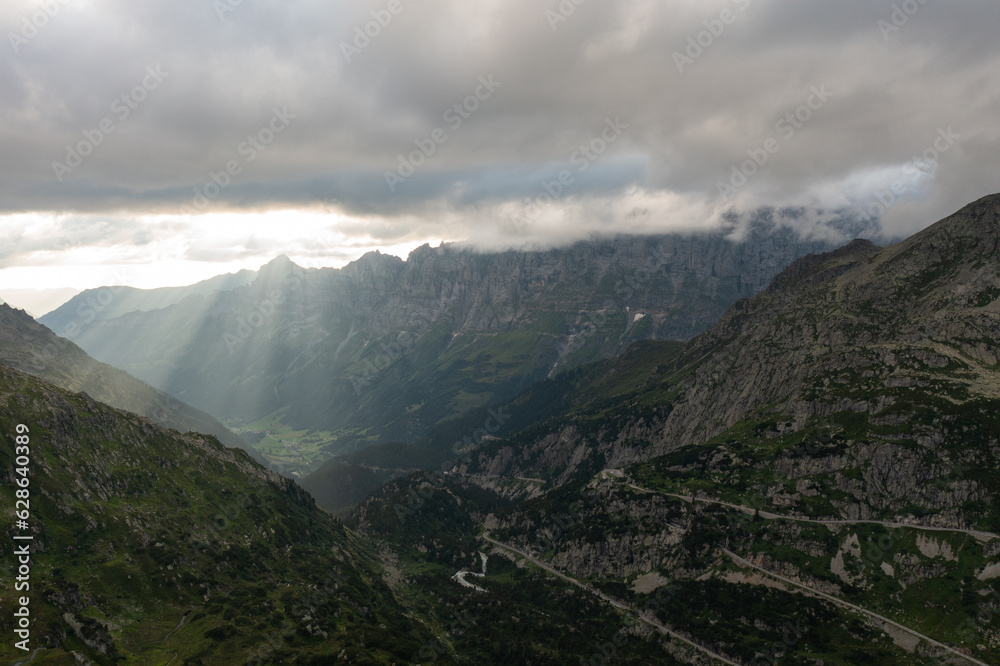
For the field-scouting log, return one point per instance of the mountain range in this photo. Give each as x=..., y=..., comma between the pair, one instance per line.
x=883, y=359
x=311, y=363
x=151, y=546
x=114, y=301
x=811, y=479
x=836, y=434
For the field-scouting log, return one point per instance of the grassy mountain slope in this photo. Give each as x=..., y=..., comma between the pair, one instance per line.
x=139, y=531
x=30, y=347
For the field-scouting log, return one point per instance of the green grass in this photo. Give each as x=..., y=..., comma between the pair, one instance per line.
x=132, y=536
x=287, y=449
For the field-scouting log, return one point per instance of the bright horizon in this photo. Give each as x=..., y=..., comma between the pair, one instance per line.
x=162, y=260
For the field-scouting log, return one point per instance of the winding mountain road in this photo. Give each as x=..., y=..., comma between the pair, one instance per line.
x=651, y=621
x=30, y=659
x=846, y=604
x=460, y=576
x=168, y=635
x=767, y=515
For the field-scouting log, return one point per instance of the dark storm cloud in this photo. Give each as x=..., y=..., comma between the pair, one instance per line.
x=187, y=91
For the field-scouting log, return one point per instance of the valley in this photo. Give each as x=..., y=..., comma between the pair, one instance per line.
x=561, y=333
x=386, y=350
x=806, y=480
x=292, y=452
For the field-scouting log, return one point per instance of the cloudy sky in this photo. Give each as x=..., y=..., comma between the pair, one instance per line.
x=165, y=141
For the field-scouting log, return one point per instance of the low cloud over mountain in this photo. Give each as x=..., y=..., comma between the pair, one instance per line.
x=388, y=123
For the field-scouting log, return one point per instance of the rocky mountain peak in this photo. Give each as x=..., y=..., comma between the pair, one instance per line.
x=280, y=264
x=7, y=310
x=973, y=230
x=815, y=268
x=276, y=273
x=373, y=263
x=959, y=254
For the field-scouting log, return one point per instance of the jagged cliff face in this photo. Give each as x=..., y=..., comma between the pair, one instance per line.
x=922, y=311
x=861, y=383
x=679, y=282
x=385, y=349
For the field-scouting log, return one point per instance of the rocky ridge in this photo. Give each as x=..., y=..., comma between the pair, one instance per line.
x=385, y=349
x=860, y=375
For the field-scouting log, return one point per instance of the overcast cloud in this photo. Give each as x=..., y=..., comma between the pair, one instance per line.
x=642, y=137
